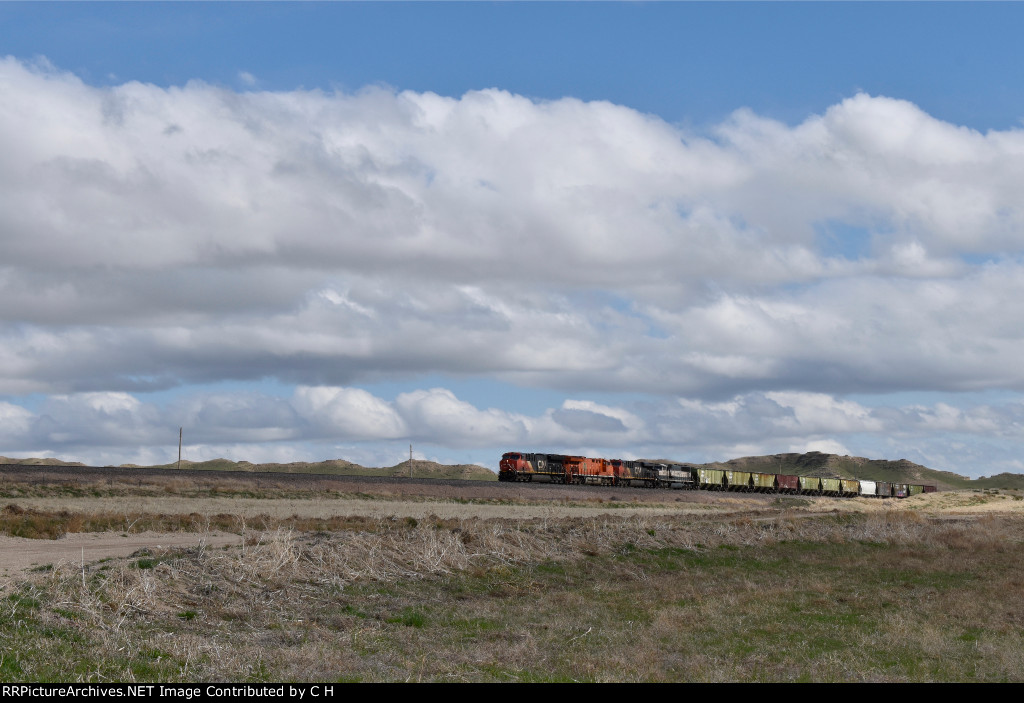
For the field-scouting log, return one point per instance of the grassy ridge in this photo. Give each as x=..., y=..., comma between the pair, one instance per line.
x=331, y=467
x=899, y=471
x=807, y=464
x=39, y=462
x=340, y=467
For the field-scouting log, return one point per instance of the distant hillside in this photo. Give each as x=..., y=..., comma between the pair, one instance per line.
x=334, y=466
x=899, y=471
x=337, y=467
x=39, y=462
x=807, y=464
x=430, y=469
x=340, y=467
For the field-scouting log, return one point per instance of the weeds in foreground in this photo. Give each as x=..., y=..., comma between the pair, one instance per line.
x=40, y=524
x=860, y=597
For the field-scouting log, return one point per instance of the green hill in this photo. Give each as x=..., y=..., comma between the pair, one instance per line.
x=430, y=469
x=1003, y=480
x=340, y=467
x=807, y=464
x=899, y=471
x=335, y=467
x=39, y=462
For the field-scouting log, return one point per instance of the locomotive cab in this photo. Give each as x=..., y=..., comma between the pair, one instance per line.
x=511, y=464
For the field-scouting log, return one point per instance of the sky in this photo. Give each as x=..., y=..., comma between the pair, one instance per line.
x=688, y=231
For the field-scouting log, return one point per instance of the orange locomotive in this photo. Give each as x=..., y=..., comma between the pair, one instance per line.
x=558, y=468
x=517, y=466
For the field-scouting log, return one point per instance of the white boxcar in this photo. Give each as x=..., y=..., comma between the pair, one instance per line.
x=867, y=488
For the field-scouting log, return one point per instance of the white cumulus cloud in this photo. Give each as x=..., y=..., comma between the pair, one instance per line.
x=155, y=237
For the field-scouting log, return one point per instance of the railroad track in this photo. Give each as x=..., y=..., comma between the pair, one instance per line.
x=278, y=480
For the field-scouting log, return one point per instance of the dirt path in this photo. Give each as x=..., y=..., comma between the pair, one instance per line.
x=18, y=554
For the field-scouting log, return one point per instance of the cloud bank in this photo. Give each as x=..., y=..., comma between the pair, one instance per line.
x=158, y=237
x=319, y=421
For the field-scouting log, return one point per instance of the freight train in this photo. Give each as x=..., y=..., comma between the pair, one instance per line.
x=558, y=468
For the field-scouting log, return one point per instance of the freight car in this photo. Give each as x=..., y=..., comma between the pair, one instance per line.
x=559, y=468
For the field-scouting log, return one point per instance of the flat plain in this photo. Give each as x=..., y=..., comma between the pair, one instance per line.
x=218, y=577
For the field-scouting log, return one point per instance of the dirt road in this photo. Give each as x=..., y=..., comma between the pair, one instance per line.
x=18, y=554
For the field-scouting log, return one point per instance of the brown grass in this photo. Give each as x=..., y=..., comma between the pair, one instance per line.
x=886, y=596
x=721, y=587
x=17, y=521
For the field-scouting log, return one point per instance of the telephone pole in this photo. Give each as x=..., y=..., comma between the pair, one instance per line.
x=179, y=446
x=410, y=461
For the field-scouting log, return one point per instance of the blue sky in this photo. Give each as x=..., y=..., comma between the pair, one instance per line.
x=684, y=230
x=686, y=62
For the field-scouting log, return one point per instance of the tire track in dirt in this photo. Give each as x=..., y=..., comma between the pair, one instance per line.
x=19, y=554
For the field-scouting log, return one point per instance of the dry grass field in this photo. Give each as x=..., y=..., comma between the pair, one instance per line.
x=326, y=584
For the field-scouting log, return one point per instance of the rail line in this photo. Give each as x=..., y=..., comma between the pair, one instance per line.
x=562, y=469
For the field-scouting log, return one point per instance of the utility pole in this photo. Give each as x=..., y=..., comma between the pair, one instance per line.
x=410, y=461
x=179, y=446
